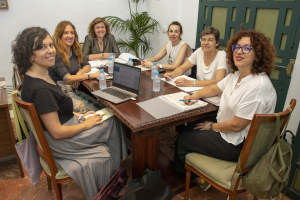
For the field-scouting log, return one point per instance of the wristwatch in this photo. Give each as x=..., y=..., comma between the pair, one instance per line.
x=211, y=126
x=160, y=66
x=195, y=83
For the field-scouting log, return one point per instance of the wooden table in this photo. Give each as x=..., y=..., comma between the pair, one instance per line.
x=7, y=137
x=144, y=127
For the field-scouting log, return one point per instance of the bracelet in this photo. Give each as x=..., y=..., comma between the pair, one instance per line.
x=88, y=76
x=103, y=55
x=211, y=126
x=195, y=83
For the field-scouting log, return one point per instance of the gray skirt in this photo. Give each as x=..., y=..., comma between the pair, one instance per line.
x=92, y=156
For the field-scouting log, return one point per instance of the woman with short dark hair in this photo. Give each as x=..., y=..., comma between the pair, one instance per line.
x=100, y=42
x=210, y=61
x=245, y=92
x=89, y=151
x=176, y=50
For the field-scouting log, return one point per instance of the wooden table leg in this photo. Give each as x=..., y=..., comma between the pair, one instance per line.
x=145, y=150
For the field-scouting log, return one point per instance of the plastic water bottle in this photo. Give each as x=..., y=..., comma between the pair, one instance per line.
x=110, y=66
x=156, y=82
x=130, y=63
x=102, y=80
x=153, y=70
x=113, y=56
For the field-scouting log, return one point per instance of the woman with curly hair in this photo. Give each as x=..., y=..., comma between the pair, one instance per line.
x=89, y=151
x=245, y=92
x=70, y=65
x=99, y=43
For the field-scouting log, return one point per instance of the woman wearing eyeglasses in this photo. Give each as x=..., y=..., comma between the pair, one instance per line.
x=245, y=92
x=210, y=61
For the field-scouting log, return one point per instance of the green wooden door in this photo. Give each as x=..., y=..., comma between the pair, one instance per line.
x=277, y=19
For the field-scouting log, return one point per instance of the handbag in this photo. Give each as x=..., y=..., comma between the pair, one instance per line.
x=270, y=175
x=26, y=148
x=110, y=191
x=150, y=186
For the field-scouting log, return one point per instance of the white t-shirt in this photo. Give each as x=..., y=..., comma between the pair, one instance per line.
x=254, y=94
x=208, y=72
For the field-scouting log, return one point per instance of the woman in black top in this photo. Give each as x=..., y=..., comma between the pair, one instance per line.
x=89, y=151
x=70, y=64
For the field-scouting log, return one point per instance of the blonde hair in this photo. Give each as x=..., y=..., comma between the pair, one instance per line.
x=98, y=20
x=61, y=46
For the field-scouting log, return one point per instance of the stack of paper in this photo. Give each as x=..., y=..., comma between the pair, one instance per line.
x=105, y=112
x=176, y=97
x=97, y=63
x=123, y=58
x=93, y=71
x=214, y=100
x=168, y=105
x=186, y=89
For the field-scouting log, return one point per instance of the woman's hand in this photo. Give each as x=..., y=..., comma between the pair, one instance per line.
x=93, y=121
x=203, y=126
x=75, y=85
x=88, y=113
x=148, y=64
x=143, y=62
x=168, y=76
x=187, y=98
x=184, y=82
x=95, y=75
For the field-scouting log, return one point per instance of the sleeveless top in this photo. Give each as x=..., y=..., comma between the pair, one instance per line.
x=175, y=52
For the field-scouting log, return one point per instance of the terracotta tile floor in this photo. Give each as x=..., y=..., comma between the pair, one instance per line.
x=13, y=187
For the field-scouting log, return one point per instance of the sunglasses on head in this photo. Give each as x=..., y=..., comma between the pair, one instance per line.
x=245, y=49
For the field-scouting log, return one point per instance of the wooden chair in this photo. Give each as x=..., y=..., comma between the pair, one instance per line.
x=46, y=158
x=219, y=173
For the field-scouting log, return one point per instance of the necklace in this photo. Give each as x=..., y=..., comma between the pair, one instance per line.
x=100, y=43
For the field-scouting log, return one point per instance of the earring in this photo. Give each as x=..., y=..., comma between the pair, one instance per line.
x=31, y=60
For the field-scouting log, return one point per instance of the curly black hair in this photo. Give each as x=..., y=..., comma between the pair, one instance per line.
x=22, y=46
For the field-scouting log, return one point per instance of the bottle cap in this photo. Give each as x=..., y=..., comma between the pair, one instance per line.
x=110, y=58
x=101, y=70
x=154, y=63
x=129, y=58
x=156, y=72
x=111, y=53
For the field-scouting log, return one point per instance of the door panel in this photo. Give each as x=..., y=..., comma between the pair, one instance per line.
x=275, y=18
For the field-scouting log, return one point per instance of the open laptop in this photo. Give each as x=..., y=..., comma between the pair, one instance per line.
x=126, y=84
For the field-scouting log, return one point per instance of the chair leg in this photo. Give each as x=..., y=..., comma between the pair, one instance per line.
x=187, y=183
x=49, y=183
x=58, y=190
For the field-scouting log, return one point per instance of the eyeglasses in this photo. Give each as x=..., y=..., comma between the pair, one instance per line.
x=204, y=39
x=245, y=49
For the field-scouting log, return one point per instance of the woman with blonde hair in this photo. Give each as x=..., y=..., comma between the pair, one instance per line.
x=70, y=65
x=99, y=43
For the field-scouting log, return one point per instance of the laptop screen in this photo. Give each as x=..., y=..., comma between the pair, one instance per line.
x=127, y=77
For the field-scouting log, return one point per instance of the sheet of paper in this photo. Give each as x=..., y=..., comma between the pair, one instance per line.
x=105, y=112
x=159, y=108
x=142, y=68
x=126, y=56
x=94, y=70
x=97, y=63
x=176, y=97
x=214, y=100
x=186, y=89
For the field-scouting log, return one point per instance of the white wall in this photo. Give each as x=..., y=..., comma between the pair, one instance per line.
x=47, y=14
x=294, y=92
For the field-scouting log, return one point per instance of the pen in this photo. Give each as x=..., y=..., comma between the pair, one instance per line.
x=103, y=114
x=189, y=100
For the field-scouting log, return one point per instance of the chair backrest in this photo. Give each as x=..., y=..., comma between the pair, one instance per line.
x=31, y=118
x=17, y=78
x=261, y=136
x=81, y=45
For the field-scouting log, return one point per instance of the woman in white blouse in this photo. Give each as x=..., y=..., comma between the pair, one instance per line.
x=245, y=92
x=210, y=61
x=176, y=50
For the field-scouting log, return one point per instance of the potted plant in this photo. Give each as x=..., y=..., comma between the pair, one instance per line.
x=137, y=26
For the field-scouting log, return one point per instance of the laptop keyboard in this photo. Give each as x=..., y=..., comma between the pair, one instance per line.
x=117, y=93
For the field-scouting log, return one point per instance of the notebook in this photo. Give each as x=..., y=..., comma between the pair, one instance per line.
x=125, y=85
